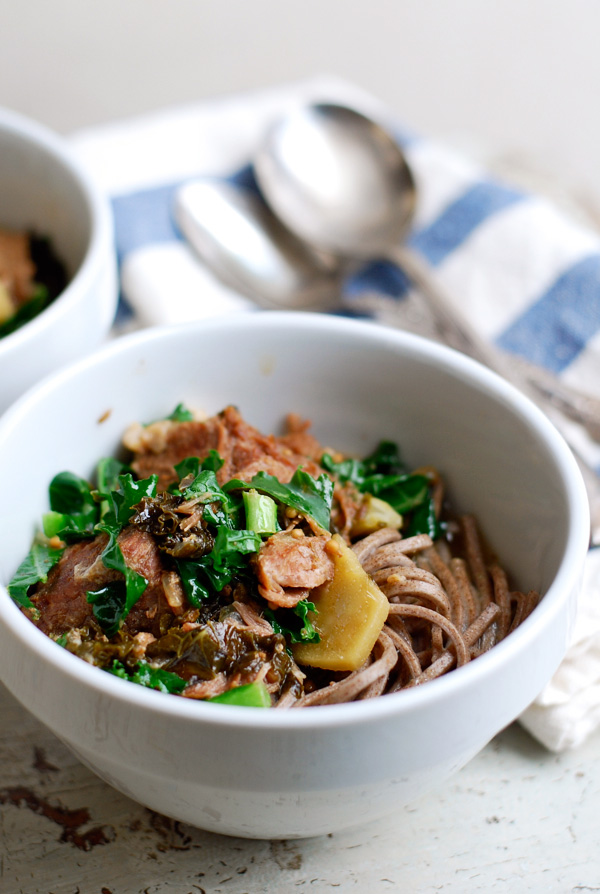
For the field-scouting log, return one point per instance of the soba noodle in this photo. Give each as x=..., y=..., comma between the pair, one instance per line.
x=444, y=612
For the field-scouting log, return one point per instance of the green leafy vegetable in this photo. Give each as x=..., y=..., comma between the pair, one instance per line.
x=202, y=576
x=70, y=494
x=384, y=461
x=227, y=559
x=107, y=474
x=352, y=470
x=55, y=524
x=382, y=474
x=107, y=478
x=27, y=311
x=309, y=496
x=215, y=570
x=223, y=510
x=402, y=492
x=192, y=465
x=124, y=497
x=424, y=521
x=198, y=481
x=252, y=695
x=230, y=546
x=187, y=468
x=191, y=573
x=206, y=489
x=294, y=623
x=152, y=677
x=181, y=414
x=113, y=558
x=261, y=512
x=33, y=569
x=108, y=604
x=74, y=512
x=120, y=508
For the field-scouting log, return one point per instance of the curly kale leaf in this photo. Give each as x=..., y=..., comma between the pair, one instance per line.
x=33, y=569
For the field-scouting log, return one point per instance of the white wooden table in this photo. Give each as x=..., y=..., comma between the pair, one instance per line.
x=517, y=818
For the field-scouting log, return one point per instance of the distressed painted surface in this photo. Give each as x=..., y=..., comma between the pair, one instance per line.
x=515, y=819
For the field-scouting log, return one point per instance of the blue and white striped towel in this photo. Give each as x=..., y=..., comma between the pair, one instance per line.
x=527, y=276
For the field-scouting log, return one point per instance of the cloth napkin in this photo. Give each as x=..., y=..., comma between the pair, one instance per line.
x=526, y=273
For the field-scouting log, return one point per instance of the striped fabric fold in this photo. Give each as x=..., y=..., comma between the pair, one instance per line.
x=450, y=230
x=557, y=327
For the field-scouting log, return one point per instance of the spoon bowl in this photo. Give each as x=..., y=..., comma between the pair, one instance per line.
x=247, y=247
x=337, y=179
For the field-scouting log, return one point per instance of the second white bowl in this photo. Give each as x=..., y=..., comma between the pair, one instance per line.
x=44, y=189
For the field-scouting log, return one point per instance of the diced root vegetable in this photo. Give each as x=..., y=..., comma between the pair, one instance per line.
x=7, y=308
x=373, y=515
x=351, y=611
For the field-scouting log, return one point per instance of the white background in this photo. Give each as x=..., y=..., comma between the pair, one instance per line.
x=517, y=78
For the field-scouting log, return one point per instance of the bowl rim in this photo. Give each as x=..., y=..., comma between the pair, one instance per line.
x=568, y=575
x=97, y=207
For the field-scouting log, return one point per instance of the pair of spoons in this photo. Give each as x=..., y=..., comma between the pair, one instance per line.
x=336, y=190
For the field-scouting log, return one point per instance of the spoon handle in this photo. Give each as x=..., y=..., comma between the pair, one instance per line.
x=559, y=402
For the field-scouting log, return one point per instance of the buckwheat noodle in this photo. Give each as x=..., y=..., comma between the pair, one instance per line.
x=444, y=611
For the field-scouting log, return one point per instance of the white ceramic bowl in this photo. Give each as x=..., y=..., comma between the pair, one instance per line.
x=43, y=188
x=261, y=773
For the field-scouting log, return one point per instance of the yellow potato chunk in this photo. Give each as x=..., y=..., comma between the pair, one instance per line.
x=373, y=515
x=7, y=309
x=351, y=610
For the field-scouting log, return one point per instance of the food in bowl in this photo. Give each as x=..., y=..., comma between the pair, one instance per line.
x=289, y=773
x=222, y=564
x=45, y=192
x=31, y=277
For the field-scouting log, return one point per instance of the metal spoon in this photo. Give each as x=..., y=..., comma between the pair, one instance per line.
x=339, y=180
x=246, y=246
